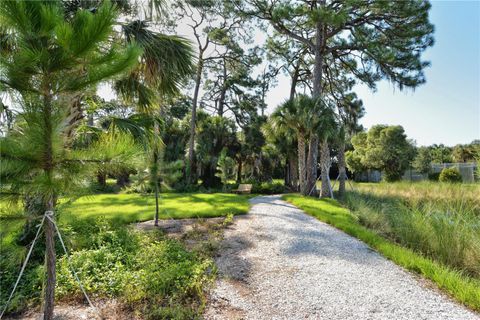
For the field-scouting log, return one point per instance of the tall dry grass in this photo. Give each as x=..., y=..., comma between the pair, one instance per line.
x=439, y=220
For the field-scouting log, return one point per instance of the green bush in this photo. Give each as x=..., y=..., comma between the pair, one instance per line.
x=268, y=188
x=450, y=175
x=142, y=270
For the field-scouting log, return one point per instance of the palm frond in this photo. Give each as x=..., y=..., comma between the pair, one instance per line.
x=166, y=60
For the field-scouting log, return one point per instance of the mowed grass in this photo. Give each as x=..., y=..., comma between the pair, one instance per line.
x=119, y=209
x=127, y=208
x=462, y=287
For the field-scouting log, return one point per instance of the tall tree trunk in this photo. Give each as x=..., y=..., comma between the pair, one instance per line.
x=155, y=169
x=191, y=143
x=286, y=180
x=223, y=92
x=293, y=162
x=50, y=261
x=342, y=172
x=293, y=85
x=325, y=165
x=302, y=174
x=239, y=170
x=48, y=166
x=312, y=165
x=317, y=93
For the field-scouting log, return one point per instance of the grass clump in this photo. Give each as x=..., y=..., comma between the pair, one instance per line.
x=371, y=228
x=439, y=220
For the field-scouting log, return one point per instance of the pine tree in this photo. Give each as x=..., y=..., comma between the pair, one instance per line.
x=54, y=57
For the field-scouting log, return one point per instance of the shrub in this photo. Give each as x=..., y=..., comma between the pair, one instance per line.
x=142, y=270
x=450, y=175
x=268, y=188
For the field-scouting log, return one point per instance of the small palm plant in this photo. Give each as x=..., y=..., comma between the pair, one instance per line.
x=53, y=59
x=225, y=166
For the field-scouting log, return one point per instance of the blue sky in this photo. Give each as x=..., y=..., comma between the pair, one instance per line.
x=447, y=108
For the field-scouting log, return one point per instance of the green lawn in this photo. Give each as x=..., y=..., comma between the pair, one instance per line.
x=462, y=287
x=127, y=208
x=123, y=209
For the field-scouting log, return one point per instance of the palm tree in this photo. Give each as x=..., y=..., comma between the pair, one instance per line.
x=292, y=115
x=283, y=138
x=53, y=59
x=296, y=114
x=166, y=62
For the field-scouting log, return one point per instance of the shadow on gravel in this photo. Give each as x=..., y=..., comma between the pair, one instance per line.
x=230, y=263
x=331, y=245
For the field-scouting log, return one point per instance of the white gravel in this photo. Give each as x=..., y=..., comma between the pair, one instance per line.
x=279, y=263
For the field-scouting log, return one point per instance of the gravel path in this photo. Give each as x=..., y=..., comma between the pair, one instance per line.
x=279, y=263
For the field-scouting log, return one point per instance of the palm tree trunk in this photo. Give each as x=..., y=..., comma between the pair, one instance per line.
x=325, y=165
x=156, y=202
x=342, y=172
x=312, y=165
x=293, y=163
x=286, y=180
x=302, y=174
x=50, y=261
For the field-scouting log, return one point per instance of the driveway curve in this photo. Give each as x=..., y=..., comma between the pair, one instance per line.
x=279, y=263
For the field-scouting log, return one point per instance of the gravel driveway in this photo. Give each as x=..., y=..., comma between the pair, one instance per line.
x=279, y=263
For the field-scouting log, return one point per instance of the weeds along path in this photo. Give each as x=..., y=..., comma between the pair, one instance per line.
x=279, y=263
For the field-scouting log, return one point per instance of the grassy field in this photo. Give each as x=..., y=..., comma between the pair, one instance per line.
x=105, y=252
x=464, y=288
x=442, y=221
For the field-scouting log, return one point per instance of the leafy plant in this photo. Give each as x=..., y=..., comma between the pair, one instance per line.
x=450, y=175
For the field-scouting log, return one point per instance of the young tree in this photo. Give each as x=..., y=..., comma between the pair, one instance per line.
x=423, y=160
x=383, y=148
x=372, y=39
x=52, y=60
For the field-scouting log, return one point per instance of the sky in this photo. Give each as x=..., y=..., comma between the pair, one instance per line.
x=447, y=108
